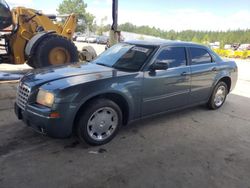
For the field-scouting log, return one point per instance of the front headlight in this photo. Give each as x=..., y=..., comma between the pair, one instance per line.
x=45, y=98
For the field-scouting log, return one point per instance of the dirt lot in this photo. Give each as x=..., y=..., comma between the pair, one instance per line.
x=191, y=148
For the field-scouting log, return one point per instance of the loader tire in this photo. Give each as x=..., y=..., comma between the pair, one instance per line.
x=54, y=50
x=88, y=53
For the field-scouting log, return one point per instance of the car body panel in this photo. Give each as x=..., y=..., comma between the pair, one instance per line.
x=102, y=40
x=81, y=38
x=165, y=90
x=202, y=79
x=146, y=92
x=91, y=39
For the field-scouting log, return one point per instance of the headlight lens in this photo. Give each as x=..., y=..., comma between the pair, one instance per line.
x=45, y=98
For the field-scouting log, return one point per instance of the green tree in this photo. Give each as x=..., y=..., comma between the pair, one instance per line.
x=78, y=7
x=205, y=39
x=195, y=39
x=224, y=37
x=101, y=28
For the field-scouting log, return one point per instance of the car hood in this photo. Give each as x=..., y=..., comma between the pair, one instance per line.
x=45, y=75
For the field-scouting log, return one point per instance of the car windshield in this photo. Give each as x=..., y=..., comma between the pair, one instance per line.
x=126, y=57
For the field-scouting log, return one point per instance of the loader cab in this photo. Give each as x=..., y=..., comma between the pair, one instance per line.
x=5, y=15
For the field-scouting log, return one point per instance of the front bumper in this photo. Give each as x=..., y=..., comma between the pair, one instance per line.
x=39, y=119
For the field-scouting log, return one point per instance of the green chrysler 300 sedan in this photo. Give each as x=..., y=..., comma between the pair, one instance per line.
x=129, y=81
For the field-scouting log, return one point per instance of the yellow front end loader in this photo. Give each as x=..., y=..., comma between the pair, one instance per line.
x=36, y=39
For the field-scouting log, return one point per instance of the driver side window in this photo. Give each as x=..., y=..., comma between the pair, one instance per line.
x=174, y=56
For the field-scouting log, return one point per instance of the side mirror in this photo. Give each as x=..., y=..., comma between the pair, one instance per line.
x=159, y=65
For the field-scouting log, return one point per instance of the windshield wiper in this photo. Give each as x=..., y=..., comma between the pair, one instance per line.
x=103, y=64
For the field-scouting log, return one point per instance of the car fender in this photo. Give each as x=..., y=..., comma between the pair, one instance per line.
x=125, y=94
x=218, y=77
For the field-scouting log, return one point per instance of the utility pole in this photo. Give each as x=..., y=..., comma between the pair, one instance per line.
x=114, y=33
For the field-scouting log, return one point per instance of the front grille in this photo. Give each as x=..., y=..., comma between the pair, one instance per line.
x=23, y=93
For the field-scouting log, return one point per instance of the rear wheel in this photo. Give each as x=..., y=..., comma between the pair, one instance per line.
x=218, y=96
x=100, y=122
x=54, y=50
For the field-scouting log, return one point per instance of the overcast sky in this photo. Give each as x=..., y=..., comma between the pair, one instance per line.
x=165, y=14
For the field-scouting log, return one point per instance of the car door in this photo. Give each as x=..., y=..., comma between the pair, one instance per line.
x=167, y=89
x=203, y=72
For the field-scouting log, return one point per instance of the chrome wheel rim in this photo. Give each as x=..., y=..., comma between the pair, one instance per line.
x=220, y=96
x=102, y=123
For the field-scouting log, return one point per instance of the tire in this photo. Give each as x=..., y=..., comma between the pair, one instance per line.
x=101, y=116
x=88, y=53
x=54, y=50
x=222, y=88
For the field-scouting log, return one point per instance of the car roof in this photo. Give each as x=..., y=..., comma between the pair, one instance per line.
x=162, y=42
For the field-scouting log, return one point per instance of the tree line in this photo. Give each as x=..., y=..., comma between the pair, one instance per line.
x=224, y=37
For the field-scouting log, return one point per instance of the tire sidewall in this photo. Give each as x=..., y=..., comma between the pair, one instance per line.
x=82, y=132
x=211, y=101
x=43, y=50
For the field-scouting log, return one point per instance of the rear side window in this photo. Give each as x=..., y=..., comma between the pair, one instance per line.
x=174, y=56
x=200, y=56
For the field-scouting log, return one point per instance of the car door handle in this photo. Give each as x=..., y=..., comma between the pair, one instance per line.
x=184, y=74
x=214, y=69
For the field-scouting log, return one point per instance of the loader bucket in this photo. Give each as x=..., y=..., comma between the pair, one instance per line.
x=5, y=15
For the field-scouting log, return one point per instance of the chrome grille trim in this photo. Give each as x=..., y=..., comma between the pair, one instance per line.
x=23, y=93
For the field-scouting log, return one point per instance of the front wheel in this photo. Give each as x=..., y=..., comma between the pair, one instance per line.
x=218, y=96
x=100, y=122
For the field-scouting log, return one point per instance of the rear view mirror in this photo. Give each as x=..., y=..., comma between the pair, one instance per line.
x=159, y=65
